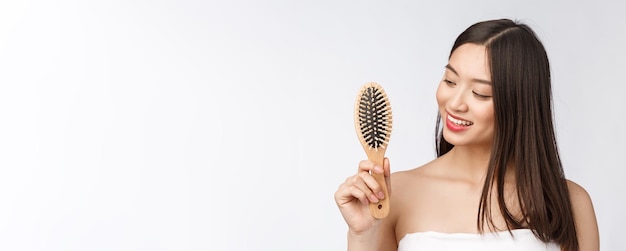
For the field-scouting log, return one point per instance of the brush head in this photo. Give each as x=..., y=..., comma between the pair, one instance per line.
x=373, y=118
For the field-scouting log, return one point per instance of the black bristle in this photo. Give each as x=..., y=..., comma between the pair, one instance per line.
x=373, y=117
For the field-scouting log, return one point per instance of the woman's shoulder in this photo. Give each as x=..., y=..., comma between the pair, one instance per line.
x=579, y=197
x=414, y=173
x=427, y=170
x=577, y=193
x=418, y=177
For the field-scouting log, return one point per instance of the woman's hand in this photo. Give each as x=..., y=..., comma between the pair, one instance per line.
x=355, y=194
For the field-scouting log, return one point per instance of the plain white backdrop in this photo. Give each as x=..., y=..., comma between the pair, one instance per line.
x=206, y=125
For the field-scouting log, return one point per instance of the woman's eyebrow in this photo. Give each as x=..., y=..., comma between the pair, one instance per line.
x=477, y=80
x=451, y=69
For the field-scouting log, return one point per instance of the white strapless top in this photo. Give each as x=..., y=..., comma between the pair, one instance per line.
x=523, y=240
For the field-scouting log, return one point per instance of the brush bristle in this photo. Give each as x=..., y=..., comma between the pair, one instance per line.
x=374, y=117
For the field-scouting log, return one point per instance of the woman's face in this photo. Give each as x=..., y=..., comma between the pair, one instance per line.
x=465, y=98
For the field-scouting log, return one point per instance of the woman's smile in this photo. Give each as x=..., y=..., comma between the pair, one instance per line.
x=457, y=125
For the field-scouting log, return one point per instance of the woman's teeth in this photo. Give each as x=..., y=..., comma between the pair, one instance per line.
x=459, y=122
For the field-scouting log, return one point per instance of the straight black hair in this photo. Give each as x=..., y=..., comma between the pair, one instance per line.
x=524, y=134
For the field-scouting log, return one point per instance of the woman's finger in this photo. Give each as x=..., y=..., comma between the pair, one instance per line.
x=375, y=191
x=369, y=166
x=349, y=191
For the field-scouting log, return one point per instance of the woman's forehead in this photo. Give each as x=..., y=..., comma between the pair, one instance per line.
x=470, y=61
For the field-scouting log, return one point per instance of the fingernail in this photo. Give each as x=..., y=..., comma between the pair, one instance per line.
x=381, y=195
x=378, y=169
x=373, y=199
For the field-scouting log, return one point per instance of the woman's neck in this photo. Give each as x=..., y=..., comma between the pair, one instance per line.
x=469, y=163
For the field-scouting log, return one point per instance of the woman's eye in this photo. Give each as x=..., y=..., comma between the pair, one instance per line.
x=480, y=95
x=448, y=82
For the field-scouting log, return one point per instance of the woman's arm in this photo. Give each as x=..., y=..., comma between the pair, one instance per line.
x=584, y=218
x=382, y=238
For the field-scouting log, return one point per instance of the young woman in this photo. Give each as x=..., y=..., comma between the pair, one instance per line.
x=497, y=183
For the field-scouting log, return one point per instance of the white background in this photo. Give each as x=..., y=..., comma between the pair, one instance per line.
x=195, y=125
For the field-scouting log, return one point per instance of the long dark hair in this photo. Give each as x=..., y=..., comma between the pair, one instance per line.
x=524, y=133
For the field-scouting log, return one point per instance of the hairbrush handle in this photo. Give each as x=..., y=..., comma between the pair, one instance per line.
x=380, y=209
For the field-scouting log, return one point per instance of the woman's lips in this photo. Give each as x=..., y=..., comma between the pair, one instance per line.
x=456, y=124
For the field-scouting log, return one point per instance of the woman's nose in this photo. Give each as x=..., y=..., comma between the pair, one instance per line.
x=457, y=102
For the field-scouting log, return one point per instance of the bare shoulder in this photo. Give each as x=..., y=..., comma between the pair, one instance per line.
x=580, y=199
x=409, y=177
x=578, y=194
x=584, y=217
x=407, y=186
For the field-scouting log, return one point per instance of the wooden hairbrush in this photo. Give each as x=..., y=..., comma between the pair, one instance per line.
x=372, y=121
